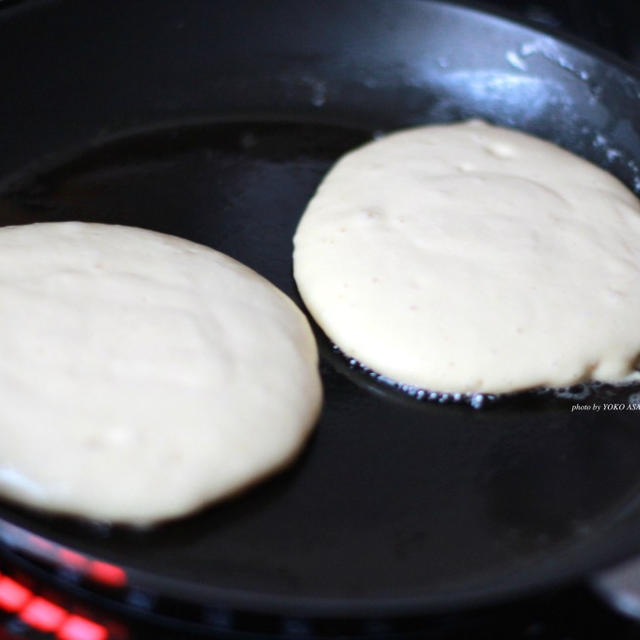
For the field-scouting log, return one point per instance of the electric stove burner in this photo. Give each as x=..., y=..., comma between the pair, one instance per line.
x=31, y=608
x=50, y=591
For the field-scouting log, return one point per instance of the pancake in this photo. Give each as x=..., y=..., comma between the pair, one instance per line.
x=143, y=376
x=473, y=258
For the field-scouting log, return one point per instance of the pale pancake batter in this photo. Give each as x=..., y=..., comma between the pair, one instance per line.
x=471, y=258
x=143, y=376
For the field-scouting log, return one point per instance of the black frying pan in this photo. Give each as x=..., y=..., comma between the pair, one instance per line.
x=215, y=121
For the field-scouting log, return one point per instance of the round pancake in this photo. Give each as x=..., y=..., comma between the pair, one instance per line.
x=143, y=376
x=472, y=258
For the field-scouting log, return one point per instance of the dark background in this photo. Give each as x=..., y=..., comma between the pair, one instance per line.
x=612, y=24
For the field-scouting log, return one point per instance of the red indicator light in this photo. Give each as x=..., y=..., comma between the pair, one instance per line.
x=13, y=596
x=77, y=628
x=108, y=574
x=43, y=615
x=72, y=559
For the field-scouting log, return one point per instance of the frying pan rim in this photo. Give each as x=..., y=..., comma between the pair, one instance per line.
x=10, y=8
x=341, y=608
x=559, y=34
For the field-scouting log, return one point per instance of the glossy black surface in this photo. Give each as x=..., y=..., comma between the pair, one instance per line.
x=215, y=121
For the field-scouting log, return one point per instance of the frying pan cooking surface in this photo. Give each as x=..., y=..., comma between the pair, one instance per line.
x=215, y=122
